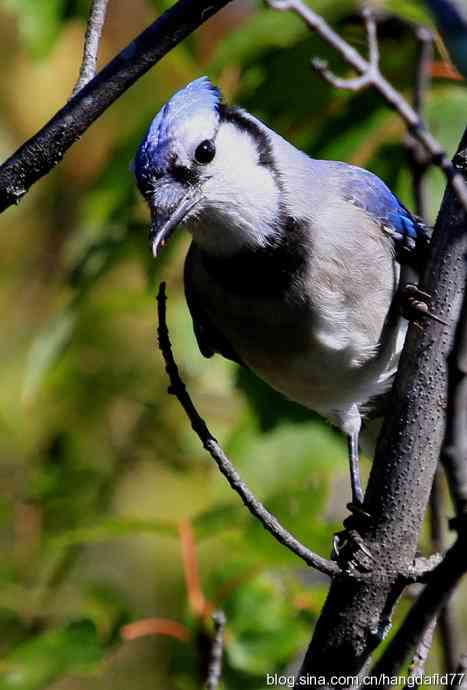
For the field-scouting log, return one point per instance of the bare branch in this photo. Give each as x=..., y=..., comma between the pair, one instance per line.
x=420, y=164
x=44, y=150
x=422, y=652
x=454, y=454
x=217, y=652
x=356, y=615
x=441, y=584
x=419, y=160
x=355, y=84
x=371, y=76
x=269, y=522
x=92, y=39
x=445, y=618
x=461, y=673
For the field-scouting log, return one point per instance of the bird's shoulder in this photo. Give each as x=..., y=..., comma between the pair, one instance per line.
x=365, y=190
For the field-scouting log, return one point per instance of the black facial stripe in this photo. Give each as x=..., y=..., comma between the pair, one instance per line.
x=266, y=271
x=183, y=174
x=259, y=136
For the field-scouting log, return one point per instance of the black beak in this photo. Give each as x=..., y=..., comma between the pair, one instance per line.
x=163, y=226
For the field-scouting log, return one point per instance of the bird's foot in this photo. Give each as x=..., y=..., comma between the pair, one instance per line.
x=415, y=303
x=349, y=548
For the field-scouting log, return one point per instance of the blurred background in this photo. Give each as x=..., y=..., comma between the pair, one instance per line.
x=118, y=535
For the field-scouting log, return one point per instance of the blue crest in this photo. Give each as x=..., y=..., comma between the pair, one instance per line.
x=190, y=116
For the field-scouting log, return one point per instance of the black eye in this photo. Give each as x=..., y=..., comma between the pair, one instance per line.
x=205, y=152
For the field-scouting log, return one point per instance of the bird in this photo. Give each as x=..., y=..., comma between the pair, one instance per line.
x=295, y=263
x=451, y=19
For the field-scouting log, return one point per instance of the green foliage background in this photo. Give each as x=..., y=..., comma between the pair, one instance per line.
x=98, y=466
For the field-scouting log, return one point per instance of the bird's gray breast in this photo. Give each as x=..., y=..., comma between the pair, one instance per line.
x=295, y=316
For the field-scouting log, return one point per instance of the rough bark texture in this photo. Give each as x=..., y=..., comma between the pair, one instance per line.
x=356, y=614
x=45, y=149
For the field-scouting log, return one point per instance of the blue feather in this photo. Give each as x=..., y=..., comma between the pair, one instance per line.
x=191, y=114
x=367, y=191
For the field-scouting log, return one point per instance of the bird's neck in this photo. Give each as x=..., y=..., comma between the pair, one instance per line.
x=225, y=232
x=270, y=270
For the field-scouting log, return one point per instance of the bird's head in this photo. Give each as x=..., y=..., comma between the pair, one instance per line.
x=209, y=168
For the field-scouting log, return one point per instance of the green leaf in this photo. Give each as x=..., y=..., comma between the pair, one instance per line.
x=264, y=631
x=38, y=662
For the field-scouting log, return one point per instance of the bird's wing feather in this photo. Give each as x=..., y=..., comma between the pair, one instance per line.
x=210, y=340
x=410, y=236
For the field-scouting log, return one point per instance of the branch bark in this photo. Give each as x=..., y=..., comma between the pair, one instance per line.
x=92, y=39
x=217, y=652
x=370, y=75
x=44, y=150
x=356, y=615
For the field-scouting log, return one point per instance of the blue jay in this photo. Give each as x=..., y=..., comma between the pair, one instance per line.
x=294, y=263
x=451, y=18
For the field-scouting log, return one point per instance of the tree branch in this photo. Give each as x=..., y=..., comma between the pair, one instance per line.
x=356, y=615
x=44, y=150
x=454, y=455
x=445, y=618
x=441, y=584
x=419, y=160
x=422, y=652
x=419, y=166
x=461, y=672
x=92, y=39
x=256, y=508
x=370, y=75
x=217, y=652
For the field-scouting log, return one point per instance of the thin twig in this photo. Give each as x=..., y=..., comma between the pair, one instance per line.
x=37, y=156
x=370, y=75
x=217, y=652
x=417, y=667
x=419, y=160
x=92, y=39
x=269, y=522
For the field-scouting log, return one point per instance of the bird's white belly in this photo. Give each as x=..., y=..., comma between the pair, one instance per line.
x=321, y=379
x=326, y=372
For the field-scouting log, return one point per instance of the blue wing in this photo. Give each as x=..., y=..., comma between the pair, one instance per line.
x=367, y=191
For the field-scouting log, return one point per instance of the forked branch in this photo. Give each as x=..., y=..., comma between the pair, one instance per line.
x=256, y=508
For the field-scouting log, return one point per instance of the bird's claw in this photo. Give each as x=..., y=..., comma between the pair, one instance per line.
x=416, y=303
x=349, y=548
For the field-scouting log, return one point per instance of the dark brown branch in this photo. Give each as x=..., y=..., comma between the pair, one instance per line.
x=217, y=652
x=440, y=586
x=454, y=456
x=44, y=150
x=419, y=167
x=446, y=279
x=445, y=617
x=92, y=39
x=370, y=75
x=256, y=508
x=357, y=614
